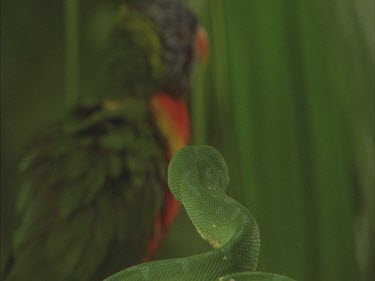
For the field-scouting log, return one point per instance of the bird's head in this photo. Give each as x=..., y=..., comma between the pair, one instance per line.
x=141, y=47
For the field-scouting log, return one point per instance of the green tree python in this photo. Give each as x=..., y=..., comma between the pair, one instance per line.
x=198, y=178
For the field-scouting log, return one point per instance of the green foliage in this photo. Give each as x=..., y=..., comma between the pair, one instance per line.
x=288, y=97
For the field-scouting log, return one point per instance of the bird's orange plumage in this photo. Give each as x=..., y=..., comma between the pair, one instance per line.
x=172, y=118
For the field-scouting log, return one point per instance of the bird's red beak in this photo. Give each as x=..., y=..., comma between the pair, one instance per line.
x=202, y=45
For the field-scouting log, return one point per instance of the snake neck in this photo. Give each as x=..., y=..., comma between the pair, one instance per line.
x=217, y=217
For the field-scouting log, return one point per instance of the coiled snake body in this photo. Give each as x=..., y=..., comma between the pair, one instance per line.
x=198, y=177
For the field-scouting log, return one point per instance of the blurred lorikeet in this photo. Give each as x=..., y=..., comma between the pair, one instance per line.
x=95, y=196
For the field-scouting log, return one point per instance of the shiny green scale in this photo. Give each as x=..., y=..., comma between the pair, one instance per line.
x=198, y=177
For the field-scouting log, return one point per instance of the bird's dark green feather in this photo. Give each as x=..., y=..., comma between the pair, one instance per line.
x=94, y=200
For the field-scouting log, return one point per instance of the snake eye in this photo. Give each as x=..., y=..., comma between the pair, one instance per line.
x=196, y=168
x=212, y=168
x=215, y=177
x=210, y=173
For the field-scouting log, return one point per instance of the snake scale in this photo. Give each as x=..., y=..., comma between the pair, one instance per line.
x=198, y=177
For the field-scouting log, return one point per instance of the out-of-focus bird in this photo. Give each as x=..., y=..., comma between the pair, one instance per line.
x=95, y=196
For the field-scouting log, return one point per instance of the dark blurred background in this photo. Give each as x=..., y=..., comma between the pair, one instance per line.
x=287, y=97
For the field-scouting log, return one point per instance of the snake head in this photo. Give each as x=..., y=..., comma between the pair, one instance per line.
x=198, y=169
